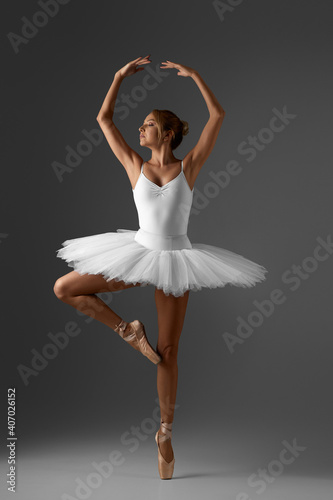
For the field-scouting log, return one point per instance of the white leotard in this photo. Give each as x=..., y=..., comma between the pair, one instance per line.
x=163, y=212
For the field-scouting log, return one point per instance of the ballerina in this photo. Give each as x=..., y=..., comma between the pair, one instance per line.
x=159, y=253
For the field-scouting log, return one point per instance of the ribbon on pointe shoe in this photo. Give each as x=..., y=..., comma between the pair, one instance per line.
x=121, y=327
x=167, y=430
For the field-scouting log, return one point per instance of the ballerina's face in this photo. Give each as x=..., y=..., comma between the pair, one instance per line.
x=148, y=131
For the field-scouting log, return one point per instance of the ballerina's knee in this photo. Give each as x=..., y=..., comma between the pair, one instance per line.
x=168, y=354
x=62, y=289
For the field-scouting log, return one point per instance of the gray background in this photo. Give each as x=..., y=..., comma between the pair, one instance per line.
x=235, y=409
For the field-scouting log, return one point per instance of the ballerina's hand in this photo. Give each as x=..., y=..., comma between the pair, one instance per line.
x=131, y=67
x=182, y=70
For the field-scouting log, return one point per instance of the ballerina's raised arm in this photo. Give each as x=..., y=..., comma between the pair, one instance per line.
x=197, y=156
x=129, y=158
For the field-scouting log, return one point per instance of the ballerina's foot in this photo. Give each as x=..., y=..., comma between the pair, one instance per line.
x=134, y=334
x=126, y=331
x=166, y=448
x=130, y=336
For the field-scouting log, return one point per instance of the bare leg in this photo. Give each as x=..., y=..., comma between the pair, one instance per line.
x=171, y=314
x=79, y=291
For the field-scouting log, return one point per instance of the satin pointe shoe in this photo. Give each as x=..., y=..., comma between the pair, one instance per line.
x=165, y=468
x=137, y=339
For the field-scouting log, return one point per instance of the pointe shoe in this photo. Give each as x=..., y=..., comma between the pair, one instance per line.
x=165, y=468
x=137, y=339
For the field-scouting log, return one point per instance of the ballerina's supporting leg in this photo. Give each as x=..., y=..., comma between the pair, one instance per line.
x=171, y=314
x=79, y=291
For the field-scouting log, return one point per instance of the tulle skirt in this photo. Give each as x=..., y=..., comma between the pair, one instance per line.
x=119, y=256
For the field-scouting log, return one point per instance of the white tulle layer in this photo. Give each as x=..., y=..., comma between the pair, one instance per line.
x=116, y=255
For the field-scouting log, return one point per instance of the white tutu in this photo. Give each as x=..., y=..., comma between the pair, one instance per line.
x=117, y=255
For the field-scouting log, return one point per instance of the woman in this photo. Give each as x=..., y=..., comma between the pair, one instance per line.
x=159, y=253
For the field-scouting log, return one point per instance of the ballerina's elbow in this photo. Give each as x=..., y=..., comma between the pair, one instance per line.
x=221, y=112
x=103, y=117
x=218, y=112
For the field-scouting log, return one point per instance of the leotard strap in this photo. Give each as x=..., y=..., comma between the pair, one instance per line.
x=182, y=166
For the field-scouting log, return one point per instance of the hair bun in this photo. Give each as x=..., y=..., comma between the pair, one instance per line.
x=185, y=127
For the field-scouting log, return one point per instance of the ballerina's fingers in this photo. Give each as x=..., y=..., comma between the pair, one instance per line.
x=144, y=62
x=170, y=64
x=141, y=60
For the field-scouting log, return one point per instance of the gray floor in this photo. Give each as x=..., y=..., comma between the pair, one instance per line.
x=53, y=473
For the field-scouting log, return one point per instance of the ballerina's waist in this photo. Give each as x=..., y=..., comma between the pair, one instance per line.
x=155, y=241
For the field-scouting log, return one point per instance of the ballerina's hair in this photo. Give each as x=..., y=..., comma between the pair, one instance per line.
x=167, y=120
